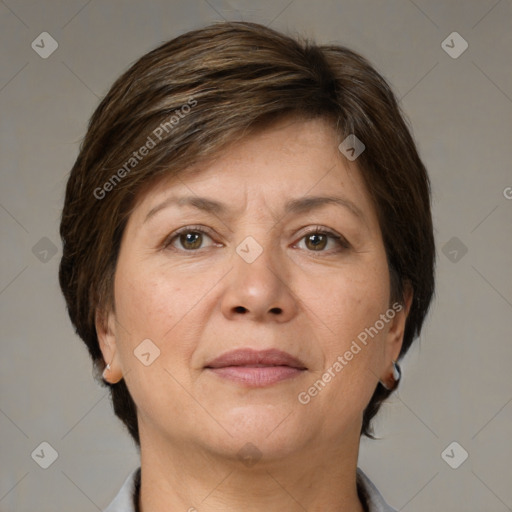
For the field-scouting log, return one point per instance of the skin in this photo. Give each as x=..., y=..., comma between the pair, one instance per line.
x=308, y=297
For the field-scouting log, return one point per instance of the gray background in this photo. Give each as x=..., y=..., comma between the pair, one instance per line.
x=457, y=382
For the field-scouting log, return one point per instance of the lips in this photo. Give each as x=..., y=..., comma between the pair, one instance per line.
x=256, y=358
x=256, y=368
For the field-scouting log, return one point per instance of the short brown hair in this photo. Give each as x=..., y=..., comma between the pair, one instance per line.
x=205, y=89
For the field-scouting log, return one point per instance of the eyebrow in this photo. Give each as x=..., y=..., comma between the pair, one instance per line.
x=293, y=206
x=200, y=203
x=308, y=203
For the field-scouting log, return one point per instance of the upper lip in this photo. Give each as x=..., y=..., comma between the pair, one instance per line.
x=251, y=357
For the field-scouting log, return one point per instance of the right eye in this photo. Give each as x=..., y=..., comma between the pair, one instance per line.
x=190, y=238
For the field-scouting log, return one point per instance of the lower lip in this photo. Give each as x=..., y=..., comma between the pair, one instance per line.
x=260, y=376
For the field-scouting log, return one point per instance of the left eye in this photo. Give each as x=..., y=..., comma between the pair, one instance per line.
x=319, y=240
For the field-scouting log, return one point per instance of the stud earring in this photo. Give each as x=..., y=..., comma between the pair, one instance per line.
x=107, y=369
x=397, y=373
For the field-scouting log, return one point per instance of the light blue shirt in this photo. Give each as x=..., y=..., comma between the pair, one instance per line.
x=124, y=501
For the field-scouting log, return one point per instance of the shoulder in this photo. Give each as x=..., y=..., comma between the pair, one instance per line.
x=374, y=498
x=124, y=500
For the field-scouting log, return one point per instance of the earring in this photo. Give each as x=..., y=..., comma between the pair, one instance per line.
x=397, y=373
x=107, y=368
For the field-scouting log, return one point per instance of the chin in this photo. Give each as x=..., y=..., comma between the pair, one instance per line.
x=272, y=430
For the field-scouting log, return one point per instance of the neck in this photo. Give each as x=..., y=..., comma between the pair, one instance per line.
x=186, y=478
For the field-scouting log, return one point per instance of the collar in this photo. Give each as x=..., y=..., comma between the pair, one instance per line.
x=127, y=497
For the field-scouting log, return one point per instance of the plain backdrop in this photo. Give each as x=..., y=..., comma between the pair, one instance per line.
x=457, y=384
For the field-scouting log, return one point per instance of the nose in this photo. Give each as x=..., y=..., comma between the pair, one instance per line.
x=261, y=290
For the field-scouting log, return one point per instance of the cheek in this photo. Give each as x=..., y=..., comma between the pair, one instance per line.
x=149, y=306
x=153, y=297
x=145, y=305
x=356, y=299
x=163, y=305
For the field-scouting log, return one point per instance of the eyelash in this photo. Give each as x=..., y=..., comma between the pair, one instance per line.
x=317, y=230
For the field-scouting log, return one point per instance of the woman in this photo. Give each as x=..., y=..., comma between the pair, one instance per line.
x=248, y=252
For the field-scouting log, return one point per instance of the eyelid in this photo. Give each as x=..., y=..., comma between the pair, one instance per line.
x=323, y=230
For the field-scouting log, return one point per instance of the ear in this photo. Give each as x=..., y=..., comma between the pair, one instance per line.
x=396, y=331
x=105, y=322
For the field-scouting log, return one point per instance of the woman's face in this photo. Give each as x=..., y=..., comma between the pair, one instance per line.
x=228, y=260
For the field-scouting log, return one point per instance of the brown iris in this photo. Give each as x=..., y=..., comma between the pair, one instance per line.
x=318, y=241
x=191, y=240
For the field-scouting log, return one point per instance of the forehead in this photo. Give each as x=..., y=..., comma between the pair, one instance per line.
x=278, y=167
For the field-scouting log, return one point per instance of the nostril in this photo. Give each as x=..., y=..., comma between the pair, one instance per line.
x=276, y=311
x=240, y=309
